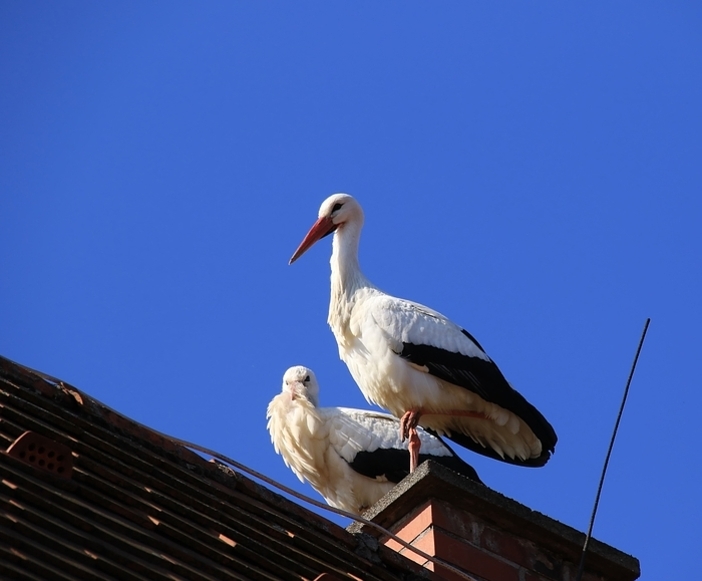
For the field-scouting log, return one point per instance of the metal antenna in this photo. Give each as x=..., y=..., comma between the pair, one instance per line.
x=581, y=567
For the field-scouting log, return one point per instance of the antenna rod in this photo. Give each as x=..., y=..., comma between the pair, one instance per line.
x=581, y=567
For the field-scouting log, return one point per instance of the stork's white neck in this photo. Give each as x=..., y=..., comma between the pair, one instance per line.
x=346, y=275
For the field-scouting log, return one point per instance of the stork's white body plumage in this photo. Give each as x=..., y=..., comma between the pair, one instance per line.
x=351, y=457
x=410, y=359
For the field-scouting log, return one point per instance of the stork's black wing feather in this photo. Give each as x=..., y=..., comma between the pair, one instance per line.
x=393, y=464
x=484, y=378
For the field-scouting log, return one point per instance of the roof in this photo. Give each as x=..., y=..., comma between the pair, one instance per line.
x=434, y=481
x=91, y=494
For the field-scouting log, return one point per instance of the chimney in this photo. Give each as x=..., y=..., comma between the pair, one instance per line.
x=487, y=535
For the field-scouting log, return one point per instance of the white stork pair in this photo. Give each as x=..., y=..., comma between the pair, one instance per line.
x=416, y=363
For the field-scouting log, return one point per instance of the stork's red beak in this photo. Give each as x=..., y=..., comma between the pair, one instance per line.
x=321, y=228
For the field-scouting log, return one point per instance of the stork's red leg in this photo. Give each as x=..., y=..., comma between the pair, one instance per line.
x=410, y=419
x=408, y=422
x=408, y=429
x=414, y=445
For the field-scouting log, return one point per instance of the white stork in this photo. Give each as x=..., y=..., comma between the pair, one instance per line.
x=416, y=363
x=351, y=457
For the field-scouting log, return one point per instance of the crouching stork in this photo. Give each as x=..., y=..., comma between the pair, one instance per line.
x=351, y=457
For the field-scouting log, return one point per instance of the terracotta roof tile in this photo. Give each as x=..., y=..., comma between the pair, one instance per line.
x=140, y=507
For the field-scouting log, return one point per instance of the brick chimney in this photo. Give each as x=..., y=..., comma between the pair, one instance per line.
x=487, y=535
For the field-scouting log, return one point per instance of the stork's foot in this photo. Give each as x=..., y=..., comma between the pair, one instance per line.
x=408, y=429
x=414, y=445
x=409, y=422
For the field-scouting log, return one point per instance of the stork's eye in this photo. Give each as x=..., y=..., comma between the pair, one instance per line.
x=337, y=207
x=307, y=378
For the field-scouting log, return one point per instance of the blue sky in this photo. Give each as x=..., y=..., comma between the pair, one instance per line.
x=531, y=170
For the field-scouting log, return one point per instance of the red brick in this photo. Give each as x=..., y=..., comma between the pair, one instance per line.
x=457, y=522
x=469, y=543
x=587, y=575
x=472, y=559
x=394, y=545
x=447, y=574
x=424, y=543
x=570, y=576
x=508, y=546
x=528, y=576
x=416, y=524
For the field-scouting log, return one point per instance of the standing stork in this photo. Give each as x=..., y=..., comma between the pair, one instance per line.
x=416, y=363
x=351, y=457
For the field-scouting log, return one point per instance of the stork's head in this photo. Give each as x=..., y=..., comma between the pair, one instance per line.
x=300, y=382
x=334, y=212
